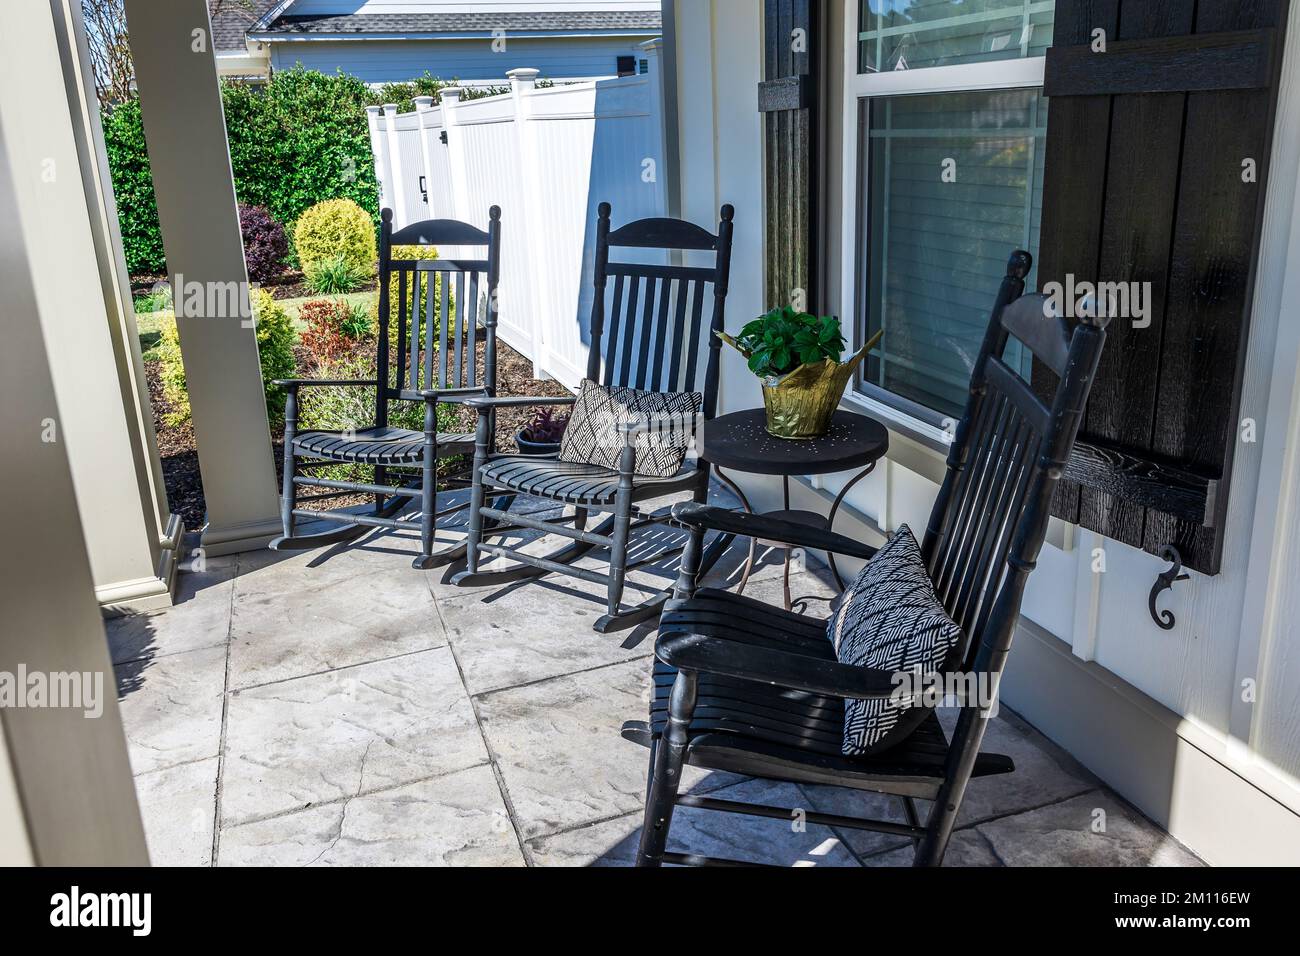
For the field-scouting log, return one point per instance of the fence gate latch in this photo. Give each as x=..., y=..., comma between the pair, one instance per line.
x=1164, y=582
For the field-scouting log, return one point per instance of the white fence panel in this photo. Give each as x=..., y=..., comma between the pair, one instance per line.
x=548, y=158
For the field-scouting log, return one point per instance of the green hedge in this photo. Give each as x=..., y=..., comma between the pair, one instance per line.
x=300, y=139
x=137, y=212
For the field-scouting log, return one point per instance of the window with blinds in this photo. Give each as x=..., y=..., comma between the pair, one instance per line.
x=951, y=184
x=911, y=34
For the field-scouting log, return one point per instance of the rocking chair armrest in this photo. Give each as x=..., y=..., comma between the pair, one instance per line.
x=763, y=665
x=458, y=395
x=487, y=403
x=307, y=382
x=770, y=529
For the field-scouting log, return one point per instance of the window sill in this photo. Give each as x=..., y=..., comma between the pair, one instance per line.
x=916, y=445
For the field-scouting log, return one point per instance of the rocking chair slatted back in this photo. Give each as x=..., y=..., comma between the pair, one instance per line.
x=647, y=335
x=990, y=518
x=443, y=306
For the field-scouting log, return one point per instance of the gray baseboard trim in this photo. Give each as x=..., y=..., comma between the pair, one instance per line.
x=147, y=594
x=253, y=536
x=1172, y=771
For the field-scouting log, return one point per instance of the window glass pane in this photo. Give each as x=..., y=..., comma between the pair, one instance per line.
x=911, y=34
x=952, y=184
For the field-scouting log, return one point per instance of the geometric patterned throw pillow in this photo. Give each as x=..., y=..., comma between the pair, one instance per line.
x=592, y=436
x=890, y=619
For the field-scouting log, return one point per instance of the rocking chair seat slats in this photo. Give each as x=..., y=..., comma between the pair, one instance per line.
x=380, y=446
x=749, y=727
x=575, y=483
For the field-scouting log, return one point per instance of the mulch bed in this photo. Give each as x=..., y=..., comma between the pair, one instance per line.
x=180, y=461
x=290, y=285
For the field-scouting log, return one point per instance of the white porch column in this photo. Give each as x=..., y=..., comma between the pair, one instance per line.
x=66, y=793
x=176, y=73
x=91, y=336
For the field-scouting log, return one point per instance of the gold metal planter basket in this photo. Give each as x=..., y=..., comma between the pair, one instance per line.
x=800, y=403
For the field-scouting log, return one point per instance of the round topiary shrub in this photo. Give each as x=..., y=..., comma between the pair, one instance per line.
x=265, y=243
x=336, y=227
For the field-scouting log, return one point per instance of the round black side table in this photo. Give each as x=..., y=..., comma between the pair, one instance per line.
x=740, y=442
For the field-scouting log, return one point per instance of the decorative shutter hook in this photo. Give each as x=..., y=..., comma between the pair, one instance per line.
x=1164, y=582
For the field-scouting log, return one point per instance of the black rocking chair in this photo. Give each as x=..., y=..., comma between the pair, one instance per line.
x=651, y=340
x=436, y=367
x=752, y=689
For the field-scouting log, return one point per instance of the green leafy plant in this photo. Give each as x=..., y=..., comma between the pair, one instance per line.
x=355, y=321
x=152, y=302
x=784, y=339
x=335, y=275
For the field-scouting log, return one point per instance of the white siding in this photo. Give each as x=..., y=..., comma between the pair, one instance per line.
x=472, y=61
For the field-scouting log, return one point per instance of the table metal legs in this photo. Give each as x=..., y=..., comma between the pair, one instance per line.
x=830, y=526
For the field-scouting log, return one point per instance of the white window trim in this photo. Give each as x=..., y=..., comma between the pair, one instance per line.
x=966, y=77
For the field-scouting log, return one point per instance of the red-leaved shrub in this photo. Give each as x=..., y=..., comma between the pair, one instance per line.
x=329, y=333
x=265, y=243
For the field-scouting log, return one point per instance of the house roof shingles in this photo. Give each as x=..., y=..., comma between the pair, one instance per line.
x=389, y=24
x=231, y=21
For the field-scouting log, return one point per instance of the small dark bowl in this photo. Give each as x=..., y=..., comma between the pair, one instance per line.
x=527, y=447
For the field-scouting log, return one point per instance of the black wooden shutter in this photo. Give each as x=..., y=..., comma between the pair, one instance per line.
x=1144, y=183
x=788, y=99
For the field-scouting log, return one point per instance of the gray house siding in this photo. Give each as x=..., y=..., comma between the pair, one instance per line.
x=472, y=61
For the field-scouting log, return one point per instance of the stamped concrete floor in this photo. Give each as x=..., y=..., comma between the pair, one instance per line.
x=338, y=708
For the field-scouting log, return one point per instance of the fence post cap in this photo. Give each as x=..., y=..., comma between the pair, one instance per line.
x=523, y=73
x=450, y=94
x=424, y=102
x=373, y=110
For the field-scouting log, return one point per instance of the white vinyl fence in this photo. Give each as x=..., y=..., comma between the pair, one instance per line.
x=548, y=158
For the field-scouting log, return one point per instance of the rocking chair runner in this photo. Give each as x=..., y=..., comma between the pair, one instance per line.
x=753, y=689
x=436, y=367
x=651, y=341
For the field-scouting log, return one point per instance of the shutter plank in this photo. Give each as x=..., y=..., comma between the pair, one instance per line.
x=1146, y=135
x=1074, y=187
x=1210, y=282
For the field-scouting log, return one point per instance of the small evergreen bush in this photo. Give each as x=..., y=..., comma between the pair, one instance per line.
x=335, y=228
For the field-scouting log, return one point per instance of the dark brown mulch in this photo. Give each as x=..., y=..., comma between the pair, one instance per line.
x=290, y=285
x=180, y=461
